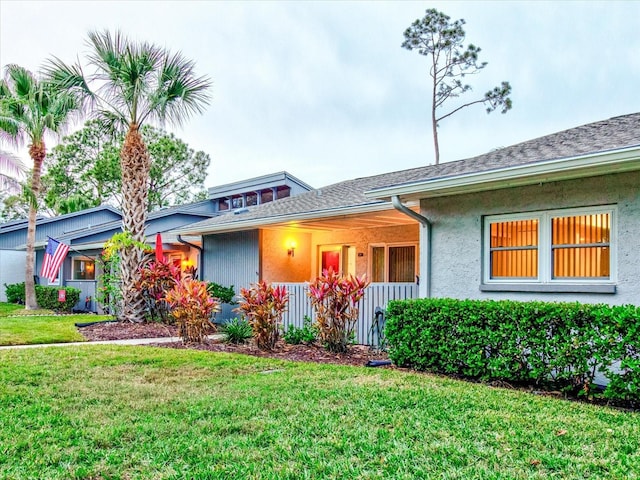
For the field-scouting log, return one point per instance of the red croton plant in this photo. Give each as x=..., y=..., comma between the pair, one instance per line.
x=156, y=278
x=263, y=305
x=192, y=308
x=335, y=299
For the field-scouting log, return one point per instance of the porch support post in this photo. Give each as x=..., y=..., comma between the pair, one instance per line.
x=424, y=289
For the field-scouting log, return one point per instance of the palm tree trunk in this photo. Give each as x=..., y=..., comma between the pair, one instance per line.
x=135, y=163
x=37, y=151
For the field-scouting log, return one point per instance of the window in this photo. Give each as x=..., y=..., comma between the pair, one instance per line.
x=283, y=192
x=393, y=263
x=550, y=247
x=266, y=196
x=252, y=199
x=84, y=269
x=237, y=201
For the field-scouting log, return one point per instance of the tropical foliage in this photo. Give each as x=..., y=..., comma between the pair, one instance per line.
x=30, y=109
x=109, y=293
x=237, y=330
x=157, y=278
x=133, y=84
x=335, y=298
x=263, y=305
x=192, y=308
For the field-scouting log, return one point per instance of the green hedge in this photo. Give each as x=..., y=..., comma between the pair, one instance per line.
x=562, y=345
x=47, y=297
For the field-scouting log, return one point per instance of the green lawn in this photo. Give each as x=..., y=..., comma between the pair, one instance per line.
x=24, y=330
x=108, y=412
x=9, y=308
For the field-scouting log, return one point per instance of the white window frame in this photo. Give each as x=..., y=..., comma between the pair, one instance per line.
x=545, y=274
x=386, y=247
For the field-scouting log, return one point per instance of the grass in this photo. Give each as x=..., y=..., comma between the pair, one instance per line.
x=108, y=412
x=10, y=309
x=26, y=330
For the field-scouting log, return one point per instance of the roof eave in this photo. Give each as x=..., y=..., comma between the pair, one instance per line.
x=568, y=168
x=287, y=219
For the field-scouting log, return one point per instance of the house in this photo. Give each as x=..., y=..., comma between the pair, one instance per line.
x=554, y=218
x=87, y=231
x=292, y=240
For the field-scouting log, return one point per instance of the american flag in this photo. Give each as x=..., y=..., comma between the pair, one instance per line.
x=54, y=254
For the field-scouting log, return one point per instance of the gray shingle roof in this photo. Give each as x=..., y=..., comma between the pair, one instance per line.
x=612, y=134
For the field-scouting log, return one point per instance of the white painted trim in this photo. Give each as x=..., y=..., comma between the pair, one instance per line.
x=544, y=247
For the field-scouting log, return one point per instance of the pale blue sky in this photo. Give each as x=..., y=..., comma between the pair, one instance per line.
x=324, y=90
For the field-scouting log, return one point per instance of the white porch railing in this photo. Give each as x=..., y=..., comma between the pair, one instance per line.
x=376, y=295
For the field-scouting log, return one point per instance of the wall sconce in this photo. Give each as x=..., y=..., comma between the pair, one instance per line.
x=291, y=249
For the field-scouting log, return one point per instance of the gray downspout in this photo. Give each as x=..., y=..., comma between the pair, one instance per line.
x=200, y=249
x=426, y=225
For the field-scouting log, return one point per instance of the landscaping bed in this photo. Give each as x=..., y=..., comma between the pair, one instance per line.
x=125, y=331
x=357, y=355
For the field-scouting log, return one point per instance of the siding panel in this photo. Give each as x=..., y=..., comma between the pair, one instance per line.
x=231, y=258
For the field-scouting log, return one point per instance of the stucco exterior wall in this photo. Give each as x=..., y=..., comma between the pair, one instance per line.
x=457, y=234
x=277, y=265
x=12, y=264
x=361, y=239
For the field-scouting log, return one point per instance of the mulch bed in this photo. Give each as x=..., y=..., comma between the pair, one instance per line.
x=357, y=354
x=124, y=331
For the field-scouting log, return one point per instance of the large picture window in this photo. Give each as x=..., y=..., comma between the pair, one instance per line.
x=393, y=263
x=553, y=246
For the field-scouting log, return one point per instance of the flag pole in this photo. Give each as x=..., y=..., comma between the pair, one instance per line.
x=74, y=250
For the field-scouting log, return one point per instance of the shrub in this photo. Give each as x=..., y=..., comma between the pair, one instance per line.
x=263, y=305
x=335, y=299
x=192, y=308
x=46, y=296
x=562, y=345
x=15, y=293
x=297, y=335
x=156, y=279
x=224, y=294
x=237, y=330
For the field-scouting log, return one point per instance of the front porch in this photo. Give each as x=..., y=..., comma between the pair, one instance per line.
x=376, y=295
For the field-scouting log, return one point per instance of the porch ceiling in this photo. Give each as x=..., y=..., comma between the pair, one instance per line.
x=379, y=219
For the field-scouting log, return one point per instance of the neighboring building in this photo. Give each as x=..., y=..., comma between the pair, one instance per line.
x=256, y=191
x=87, y=231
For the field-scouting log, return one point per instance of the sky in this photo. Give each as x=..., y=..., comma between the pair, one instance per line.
x=324, y=91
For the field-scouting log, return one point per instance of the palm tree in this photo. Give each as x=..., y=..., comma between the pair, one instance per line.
x=30, y=109
x=133, y=83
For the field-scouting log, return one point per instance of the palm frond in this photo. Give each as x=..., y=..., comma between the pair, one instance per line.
x=178, y=93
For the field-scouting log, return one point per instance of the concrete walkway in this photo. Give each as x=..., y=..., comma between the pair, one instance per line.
x=131, y=341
